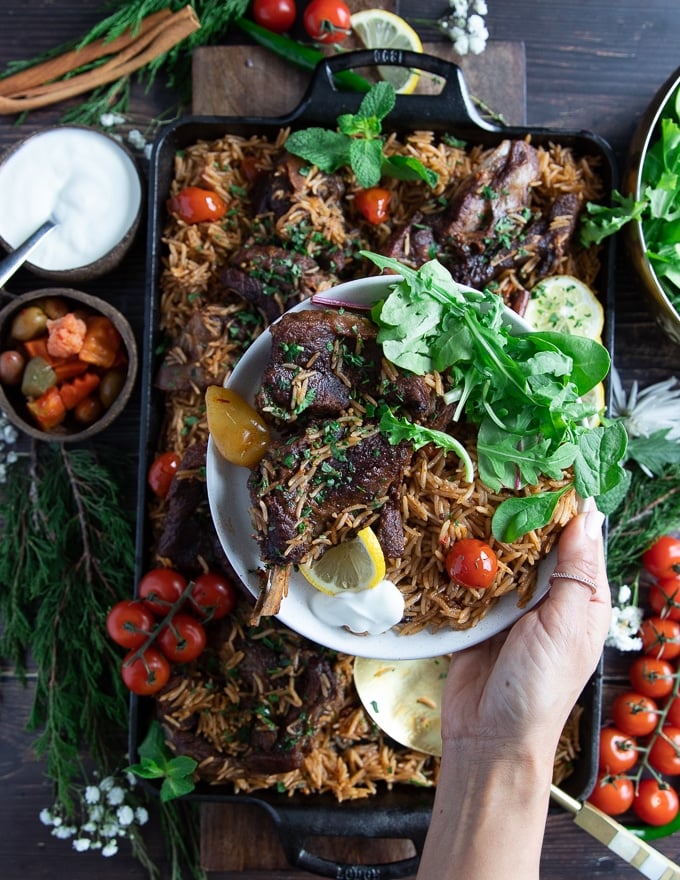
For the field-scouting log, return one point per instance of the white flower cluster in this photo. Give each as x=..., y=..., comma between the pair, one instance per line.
x=108, y=815
x=134, y=136
x=464, y=26
x=625, y=623
x=8, y=437
x=655, y=408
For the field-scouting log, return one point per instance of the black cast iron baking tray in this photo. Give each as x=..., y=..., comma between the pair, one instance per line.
x=405, y=811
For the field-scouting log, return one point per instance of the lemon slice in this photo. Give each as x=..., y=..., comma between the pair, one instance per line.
x=595, y=397
x=565, y=304
x=380, y=29
x=355, y=565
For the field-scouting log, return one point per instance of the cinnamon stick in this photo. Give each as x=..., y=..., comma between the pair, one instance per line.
x=38, y=86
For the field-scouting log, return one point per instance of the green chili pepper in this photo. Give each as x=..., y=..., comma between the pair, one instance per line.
x=298, y=53
x=654, y=832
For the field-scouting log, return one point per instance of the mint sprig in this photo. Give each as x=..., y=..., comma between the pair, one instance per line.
x=358, y=144
x=158, y=762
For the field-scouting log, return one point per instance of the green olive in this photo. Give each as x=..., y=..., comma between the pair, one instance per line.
x=28, y=323
x=38, y=377
x=88, y=410
x=111, y=385
x=53, y=306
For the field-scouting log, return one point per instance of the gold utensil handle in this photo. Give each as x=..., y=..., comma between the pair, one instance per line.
x=617, y=838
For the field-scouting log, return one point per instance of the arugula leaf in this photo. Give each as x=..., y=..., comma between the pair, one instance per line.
x=399, y=429
x=599, y=221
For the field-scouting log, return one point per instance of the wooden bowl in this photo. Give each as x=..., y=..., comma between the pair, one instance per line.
x=83, y=177
x=13, y=402
x=645, y=136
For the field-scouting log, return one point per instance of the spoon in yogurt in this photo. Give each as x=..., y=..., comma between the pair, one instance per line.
x=19, y=255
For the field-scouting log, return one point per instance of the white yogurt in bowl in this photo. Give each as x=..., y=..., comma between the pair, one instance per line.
x=85, y=181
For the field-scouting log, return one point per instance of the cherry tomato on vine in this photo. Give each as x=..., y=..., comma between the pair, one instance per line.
x=664, y=598
x=129, y=623
x=662, y=559
x=374, y=204
x=652, y=677
x=656, y=803
x=472, y=563
x=634, y=714
x=160, y=588
x=618, y=751
x=327, y=21
x=275, y=15
x=213, y=595
x=612, y=794
x=660, y=637
x=664, y=754
x=147, y=673
x=195, y=205
x=162, y=471
x=183, y=639
x=673, y=712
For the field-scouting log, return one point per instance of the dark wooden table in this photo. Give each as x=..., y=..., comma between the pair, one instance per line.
x=591, y=64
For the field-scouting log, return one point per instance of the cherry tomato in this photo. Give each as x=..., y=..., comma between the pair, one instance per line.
x=472, y=563
x=327, y=21
x=183, y=639
x=664, y=754
x=613, y=795
x=212, y=595
x=664, y=598
x=660, y=637
x=656, y=803
x=634, y=714
x=275, y=15
x=673, y=712
x=194, y=205
x=652, y=677
x=374, y=204
x=618, y=752
x=147, y=673
x=160, y=588
x=662, y=559
x=129, y=623
x=161, y=473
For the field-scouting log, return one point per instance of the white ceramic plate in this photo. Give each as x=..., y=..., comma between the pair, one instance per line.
x=230, y=509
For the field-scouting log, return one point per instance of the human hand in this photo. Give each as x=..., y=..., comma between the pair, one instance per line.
x=520, y=686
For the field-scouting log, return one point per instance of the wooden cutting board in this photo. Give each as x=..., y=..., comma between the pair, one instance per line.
x=241, y=841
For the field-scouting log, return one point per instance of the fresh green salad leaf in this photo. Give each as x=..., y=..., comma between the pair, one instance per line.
x=158, y=762
x=523, y=391
x=358, y=144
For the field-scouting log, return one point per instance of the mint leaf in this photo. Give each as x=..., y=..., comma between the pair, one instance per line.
x=409, y=168
x=378, y=102
x=365, y=157
x=174, y=787
x=328, y=150
x=158, y=762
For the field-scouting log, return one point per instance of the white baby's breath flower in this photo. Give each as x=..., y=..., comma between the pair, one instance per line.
x=137, y=139
x=91, y=794
x=110, y=849
x=125, y=815
x=141, y=815
x=107, y=783
x=625, y=595
x=115, y=796
x=110, y=829
x=81, y=844
x=480, y=7
x=63, y=832
x=108, y=120
x=96, y=813
x=130, y=778
x=624, y=627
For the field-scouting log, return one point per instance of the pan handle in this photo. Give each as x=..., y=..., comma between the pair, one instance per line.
x=295, y=826
x=452, y=104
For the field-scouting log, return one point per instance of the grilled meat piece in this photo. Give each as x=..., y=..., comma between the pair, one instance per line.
x=303, y=484
x=273, y=192
x=320, y=361
x=270, y=277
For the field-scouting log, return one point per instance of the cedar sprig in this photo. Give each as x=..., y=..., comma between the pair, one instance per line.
x=66, y=555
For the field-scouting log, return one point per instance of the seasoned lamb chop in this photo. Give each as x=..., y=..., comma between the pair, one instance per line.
x=320, y=361
x=273, y=192
x=303, y=484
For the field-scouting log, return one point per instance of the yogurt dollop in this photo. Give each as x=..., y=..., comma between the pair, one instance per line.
x=79, y=177
x=371, y=611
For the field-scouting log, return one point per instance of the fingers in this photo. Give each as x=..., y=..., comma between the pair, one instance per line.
x=580, y=554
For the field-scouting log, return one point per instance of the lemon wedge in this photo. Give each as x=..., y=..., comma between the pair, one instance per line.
x=380, y=29
x=596, y=397
x=567, y=305
x=358, y=564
